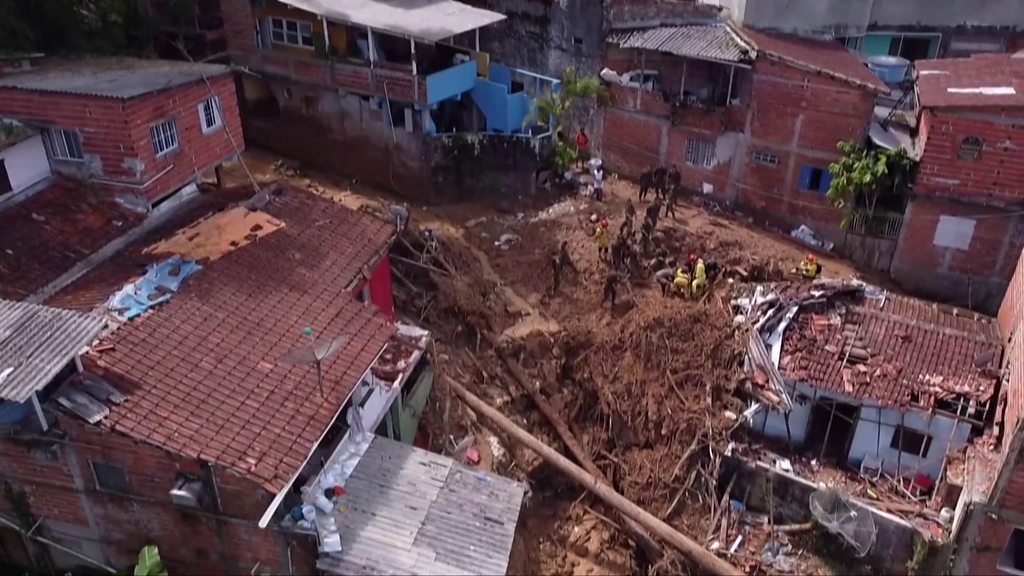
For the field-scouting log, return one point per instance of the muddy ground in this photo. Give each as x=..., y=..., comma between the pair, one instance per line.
x=647, y=386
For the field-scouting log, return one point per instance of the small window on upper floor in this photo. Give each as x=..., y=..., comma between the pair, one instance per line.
x=970, y=148
x=209, y=115
x=291, y=32
x=63, y=144
x=164, y=136
x=766, y=158
x=110, y=478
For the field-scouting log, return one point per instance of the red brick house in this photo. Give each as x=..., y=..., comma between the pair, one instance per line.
x=194, y=425
x=963, y=227
x=989, y=526
x=141, y=129
x=748, y=117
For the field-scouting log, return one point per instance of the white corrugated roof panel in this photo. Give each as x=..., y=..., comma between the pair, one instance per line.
x=37, y=342
x=429, y=20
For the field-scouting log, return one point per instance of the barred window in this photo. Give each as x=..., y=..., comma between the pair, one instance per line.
x=63, y=144
x=766, y=158
x=209, y=114
x=700, y=152
x=164, y=136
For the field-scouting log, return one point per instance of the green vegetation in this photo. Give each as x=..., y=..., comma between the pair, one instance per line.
x=150, y=563
x=69, y=27
x=577, y=96
x=867, y=179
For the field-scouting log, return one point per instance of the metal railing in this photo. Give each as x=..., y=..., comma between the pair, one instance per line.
x=881, y=225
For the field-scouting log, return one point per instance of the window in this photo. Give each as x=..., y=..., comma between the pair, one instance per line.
x=954, y=232
x=209, y=114
x=63, y=144
x=970, y=148
x=110, y=478
x=577, y=41
x=164, y=136
x=700, y=152
x=1012, y=559
x=815, y=179
x=910, y=441
x=291, y=32
x=766, y=158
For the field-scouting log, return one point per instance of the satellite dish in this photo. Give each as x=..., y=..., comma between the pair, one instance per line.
x=314, y=354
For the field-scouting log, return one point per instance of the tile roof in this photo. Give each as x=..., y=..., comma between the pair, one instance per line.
x=203, y=373
x=826, y=56
x=409, y=511
x=984, y=80
x=704, y=41
x=918, y=352
x=45, y=235
x=37, y=342
x=122, y=78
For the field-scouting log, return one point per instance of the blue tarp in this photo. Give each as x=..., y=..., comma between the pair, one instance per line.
x=159, y=283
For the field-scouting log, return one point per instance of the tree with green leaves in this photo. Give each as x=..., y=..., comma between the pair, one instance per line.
x=866, y=178
x=150, y=563
x=577, y=95
x=72, y=27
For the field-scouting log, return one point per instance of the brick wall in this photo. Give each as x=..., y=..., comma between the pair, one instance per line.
x=1011, y=323
x=62, y=490
x=115, y=133
x=995, y=176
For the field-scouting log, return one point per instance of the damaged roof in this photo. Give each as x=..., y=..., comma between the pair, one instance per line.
x=890, y=349
x=716, y=42
x=44, y=236
x=825, y=56
x=37, y=342
x=207, y=374
x=983, y=80
x=122, y=78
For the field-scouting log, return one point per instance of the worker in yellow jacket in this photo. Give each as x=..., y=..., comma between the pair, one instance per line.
x=810, y=268
x=700, y=277
x=603, y=239
x=682, y=282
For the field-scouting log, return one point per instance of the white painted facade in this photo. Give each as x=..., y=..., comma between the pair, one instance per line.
x=26, y=163
x=873, y=433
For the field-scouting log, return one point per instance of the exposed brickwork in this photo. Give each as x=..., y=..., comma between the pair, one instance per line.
x=1011, y=327
x=115, y=133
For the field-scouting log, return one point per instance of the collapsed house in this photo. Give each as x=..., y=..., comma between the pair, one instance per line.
x=873, y=380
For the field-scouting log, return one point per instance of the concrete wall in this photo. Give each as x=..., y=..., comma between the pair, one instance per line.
x=111, y=528
x=26, y=163
x=841, y=17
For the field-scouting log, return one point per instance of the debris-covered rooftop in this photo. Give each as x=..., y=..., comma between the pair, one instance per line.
x=122, y=78
x=885, y=348
x=983, y=80
x=47, y=234
x=205, y=373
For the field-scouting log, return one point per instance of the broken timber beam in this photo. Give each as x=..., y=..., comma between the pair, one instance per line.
x=637, y=533
x=705, y=560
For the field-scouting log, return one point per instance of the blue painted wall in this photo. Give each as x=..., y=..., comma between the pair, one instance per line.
x=451, y=82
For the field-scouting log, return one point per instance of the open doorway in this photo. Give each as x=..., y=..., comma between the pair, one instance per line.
x=831, y=429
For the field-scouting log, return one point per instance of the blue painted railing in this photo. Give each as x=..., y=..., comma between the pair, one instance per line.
x=451, y=82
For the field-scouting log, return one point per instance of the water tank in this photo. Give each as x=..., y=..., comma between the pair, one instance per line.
x=891, y=69
x=13, y=413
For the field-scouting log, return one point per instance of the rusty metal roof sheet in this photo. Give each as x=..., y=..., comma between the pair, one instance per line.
x=983, y=80
x=37, y=342
x=714, y=42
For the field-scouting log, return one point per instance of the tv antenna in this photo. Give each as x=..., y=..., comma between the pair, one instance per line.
x=314, y=353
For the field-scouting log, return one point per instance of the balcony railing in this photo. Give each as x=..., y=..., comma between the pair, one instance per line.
x=883, y=225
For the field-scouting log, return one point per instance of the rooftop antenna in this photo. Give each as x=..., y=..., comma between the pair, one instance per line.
x=314, y=353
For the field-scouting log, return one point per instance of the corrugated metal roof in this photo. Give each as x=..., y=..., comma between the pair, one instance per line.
x=705, y=41
x=37, y=342
x=409, y=511
x=429, y=20
x=112, y=77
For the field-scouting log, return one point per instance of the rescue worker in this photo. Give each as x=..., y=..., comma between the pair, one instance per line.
x=673, y=191
x=681, y=282
x=810, y=268
x=610, y=283
x=700, y=277
x=582, y=145
x=664, y=278
x=652, y=212
x=598, y=174
x=630, y=211
x=559, y=262
x=660, y=180
x=603, y=239
x=646, y=183
x=619, y=252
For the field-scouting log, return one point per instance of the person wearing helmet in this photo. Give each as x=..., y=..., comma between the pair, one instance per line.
x=682, y=282
x=810, y=268
x=603, y=239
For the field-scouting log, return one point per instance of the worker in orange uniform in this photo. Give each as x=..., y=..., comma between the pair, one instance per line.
x=810, y=268
x=603, y=239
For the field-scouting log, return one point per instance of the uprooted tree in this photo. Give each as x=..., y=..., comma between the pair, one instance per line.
x=575, y=98
x=865, y=179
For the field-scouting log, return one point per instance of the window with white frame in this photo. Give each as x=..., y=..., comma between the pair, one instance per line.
x=164, y=136
x=209, y=114
x=700, y=152
x=63, y=144
x=291, y=32
x=766, y=158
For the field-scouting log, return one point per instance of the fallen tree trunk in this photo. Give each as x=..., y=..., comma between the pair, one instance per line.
x=635, y=531
x=707, y=561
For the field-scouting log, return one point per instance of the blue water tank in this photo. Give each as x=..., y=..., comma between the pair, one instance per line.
x=891, y=69
x=12, y=413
